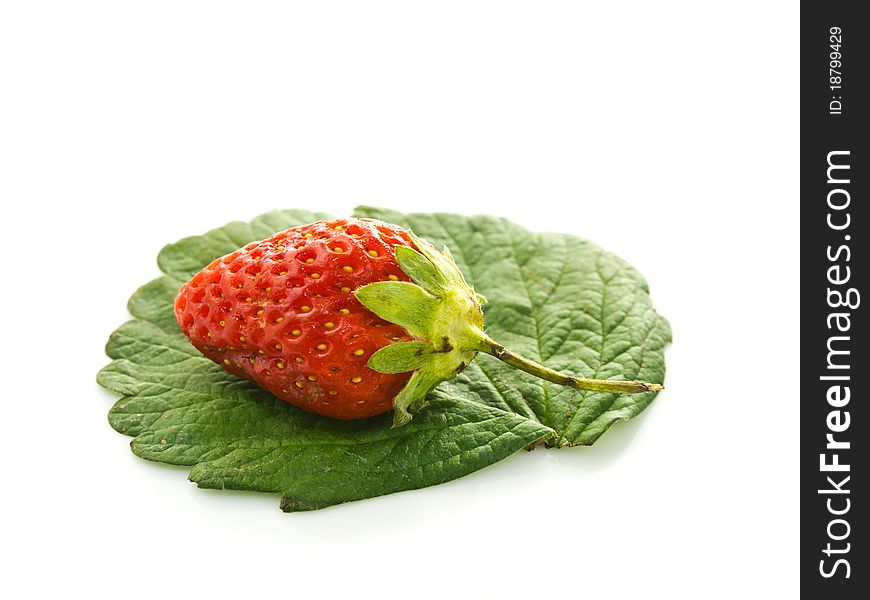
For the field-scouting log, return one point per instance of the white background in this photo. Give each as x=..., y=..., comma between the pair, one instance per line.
x=667, y=132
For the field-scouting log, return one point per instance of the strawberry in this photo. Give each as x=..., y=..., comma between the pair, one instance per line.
x=347, y=318
x=281, y=313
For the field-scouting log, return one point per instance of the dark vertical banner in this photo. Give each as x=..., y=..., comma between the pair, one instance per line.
x=835, y=226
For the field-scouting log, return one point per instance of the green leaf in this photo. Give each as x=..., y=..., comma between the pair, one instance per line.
x=413, y=394
x=400, y=357
x=400, y=302
x=183, y=409
x=559, y=300
x=555, y=298
x=421, y=270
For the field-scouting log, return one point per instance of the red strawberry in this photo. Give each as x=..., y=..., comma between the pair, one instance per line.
x=347, y=318
x=281, y=313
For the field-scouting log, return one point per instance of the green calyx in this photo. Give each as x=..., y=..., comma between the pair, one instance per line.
x=444, y=314
x=440, y=309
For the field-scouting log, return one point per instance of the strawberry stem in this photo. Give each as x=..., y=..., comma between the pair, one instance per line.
x=493, y=348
